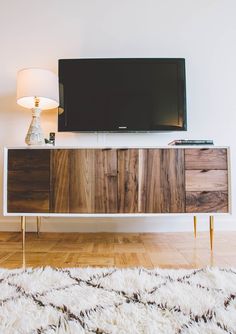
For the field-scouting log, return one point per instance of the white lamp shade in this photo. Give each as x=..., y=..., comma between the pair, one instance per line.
x=40, y=83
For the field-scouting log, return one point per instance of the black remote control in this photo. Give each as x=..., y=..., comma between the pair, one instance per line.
x=52, y=137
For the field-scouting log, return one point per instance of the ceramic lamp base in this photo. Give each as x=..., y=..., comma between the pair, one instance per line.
x=35, y=134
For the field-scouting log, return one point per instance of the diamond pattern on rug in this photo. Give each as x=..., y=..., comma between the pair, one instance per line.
x=104, y=301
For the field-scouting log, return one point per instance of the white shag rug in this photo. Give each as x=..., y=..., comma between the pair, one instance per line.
x=124, y=301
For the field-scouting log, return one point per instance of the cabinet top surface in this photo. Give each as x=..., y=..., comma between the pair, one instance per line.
x=50, y=147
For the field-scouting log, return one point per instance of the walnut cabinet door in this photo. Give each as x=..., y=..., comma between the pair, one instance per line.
x=94, y=181
x=162, y=181
x=28, y=181
x=84, y=181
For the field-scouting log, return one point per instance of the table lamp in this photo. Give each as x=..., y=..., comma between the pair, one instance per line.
x=37, y=89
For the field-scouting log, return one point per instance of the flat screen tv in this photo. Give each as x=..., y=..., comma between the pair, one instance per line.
x=122, y=95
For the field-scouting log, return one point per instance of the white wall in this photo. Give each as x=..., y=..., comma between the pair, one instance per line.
x=38, y=33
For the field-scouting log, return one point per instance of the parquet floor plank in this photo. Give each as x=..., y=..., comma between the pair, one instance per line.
x=150, y=250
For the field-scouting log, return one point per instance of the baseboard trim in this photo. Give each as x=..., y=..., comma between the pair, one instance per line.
x=128, y=225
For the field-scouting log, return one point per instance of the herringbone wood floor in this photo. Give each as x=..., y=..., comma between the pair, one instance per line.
x=165, y=250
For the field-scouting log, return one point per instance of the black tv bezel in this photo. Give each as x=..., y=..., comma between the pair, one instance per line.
x=182, y=78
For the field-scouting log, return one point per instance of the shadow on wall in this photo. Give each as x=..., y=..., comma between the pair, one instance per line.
x=13, y=121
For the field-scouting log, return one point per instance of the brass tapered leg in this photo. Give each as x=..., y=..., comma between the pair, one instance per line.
x=211, y=231
x=21, y=224
x=38, y=224
x=195, y=226
x=23, y=259
x=23, y=221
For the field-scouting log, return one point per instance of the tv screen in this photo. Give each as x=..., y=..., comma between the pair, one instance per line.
x=122, y=95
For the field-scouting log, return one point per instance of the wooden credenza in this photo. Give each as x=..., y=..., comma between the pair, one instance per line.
x=77, y=181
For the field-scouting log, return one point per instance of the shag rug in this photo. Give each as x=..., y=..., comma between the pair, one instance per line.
x=102, y=301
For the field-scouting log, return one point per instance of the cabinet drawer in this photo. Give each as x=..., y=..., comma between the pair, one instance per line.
x=207, y=201
x=206, y=158
x=206, y=180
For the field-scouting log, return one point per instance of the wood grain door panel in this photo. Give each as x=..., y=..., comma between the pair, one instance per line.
x=205, y=158
x=142, y=180
x=206, y=180
x=60, y=187
x=207, y=201
x=28, y=202
x=152, y=175
x=28, y=180
x=28, y=159
x=128, y=176
x=165, y=189
x=82, y=181
x=106, y=181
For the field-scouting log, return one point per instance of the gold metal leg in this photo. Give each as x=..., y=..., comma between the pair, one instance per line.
x=38, y=224
x=23, y=221
x=21, y=224
x=211, y=231
x=195, y=226
x=23, y=260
